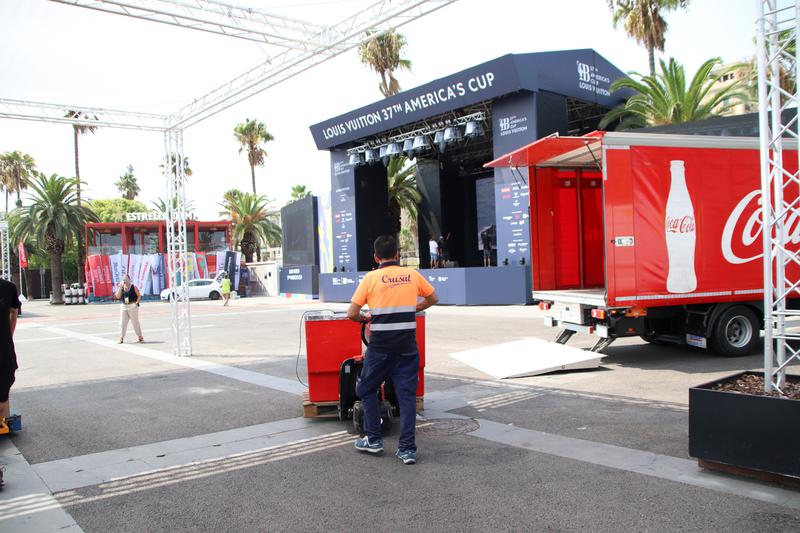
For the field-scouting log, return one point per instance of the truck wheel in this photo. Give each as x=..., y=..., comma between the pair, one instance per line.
x=736, y=332
x=358, y=418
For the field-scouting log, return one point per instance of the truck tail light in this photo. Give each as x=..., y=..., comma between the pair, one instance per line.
x=599, y=314
x=544, y=306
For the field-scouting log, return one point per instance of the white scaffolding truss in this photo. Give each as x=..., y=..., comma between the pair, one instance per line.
x=301, y=45
x=780, y=181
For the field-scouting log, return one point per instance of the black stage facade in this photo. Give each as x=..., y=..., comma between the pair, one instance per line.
x=450, y=127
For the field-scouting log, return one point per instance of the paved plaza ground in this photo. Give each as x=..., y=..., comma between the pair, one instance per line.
x=129, y=438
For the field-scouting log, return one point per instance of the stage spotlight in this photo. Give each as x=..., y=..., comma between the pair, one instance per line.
x=393, y=150
x=452, y=134
x=420, y=143
x=371, y=155
x=438, y=140
x=408, y=148
x=473, y=129
x=383, y=157
x=356, y=159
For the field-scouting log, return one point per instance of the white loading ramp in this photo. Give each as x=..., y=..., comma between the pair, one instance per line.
x=527, y=357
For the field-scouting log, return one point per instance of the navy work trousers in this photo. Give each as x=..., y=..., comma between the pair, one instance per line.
x=380, y=364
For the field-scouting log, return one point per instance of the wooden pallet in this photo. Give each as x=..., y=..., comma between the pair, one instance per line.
x=319, y=409
x=331, y=409
x=760, y=475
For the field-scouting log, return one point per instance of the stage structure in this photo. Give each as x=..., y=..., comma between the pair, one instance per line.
x=777, y=53
x=450, y=128
x=298, y=46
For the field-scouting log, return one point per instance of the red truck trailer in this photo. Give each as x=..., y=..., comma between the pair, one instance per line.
x=658, y=236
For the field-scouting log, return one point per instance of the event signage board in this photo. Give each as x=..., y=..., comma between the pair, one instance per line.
x=343, y=213
x=582, y=74
x=299, y=280
x=481, y=82
x=514, y=126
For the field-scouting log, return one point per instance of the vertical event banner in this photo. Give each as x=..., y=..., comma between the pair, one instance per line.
x=191, y=266
x=220, y=262
x=343, y=212
x=157, y=274
x=115, y=261
x=202, y=265
x=96, y=271
x=211, y=262
x=231, y=267
x=143, y=278
x=23, y=257
x=514, y=126
x=325, y=232
x=134, y=262
x=106, y=275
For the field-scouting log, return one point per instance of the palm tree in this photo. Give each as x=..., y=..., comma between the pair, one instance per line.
x=19, y=168
x=53, y=220
x=77, y=131
x=127, y=184
x=401, y=181
x=665, y=98
x=251, y=134
x=173, y=164
x=160, y=205
x=253, y=222
x=381, y=52
x=643, y=20
x=299, y=192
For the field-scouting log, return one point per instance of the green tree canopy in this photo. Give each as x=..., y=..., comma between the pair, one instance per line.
x=251, y=135
x=643, y=21
x=127, y=185
x=381, y=52
x=299, y=191
x=17, y=170
x=114, y=209
x=53, y=221
x=253, y=222
x=666, y=98
x=401, y=180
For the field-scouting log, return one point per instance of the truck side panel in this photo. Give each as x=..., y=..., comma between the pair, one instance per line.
x=724, y=187
x=620, y=240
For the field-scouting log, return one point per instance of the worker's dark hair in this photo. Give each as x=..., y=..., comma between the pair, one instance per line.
x=385, y=247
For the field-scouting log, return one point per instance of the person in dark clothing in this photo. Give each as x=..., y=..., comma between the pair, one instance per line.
x=394, y=295
x=9, y=307
x=486, y=242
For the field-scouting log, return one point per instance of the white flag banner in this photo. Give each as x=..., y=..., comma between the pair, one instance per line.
x=115, y=261
x=134, y=261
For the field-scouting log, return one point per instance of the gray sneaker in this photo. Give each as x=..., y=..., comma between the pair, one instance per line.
x=364, y=445
x=409, y=457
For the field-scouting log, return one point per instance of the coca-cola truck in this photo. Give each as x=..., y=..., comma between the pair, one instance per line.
x=658, y=236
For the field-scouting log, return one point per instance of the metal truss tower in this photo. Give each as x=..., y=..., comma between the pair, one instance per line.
x=300, y=46
x=175, y=170
x=778, y=101
x=5, y=255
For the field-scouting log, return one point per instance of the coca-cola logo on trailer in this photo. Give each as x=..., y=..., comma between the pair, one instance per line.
x=741, y=237
x=683, y=224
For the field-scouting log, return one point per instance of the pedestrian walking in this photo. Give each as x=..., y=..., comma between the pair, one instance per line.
x=225, y=286
x=129, y=298
x=9, y=306
x=391, y=292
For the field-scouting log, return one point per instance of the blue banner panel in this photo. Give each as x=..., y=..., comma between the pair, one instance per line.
x=299, y=280
x=339, y=286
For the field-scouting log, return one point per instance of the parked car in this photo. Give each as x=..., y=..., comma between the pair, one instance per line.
x=199, y=289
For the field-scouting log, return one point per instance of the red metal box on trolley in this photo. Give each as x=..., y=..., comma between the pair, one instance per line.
x=331, y=339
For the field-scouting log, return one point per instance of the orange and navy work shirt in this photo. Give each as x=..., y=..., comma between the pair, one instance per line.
x=391, y=292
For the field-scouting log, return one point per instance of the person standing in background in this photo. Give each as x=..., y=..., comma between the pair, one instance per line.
x=244, y=279
x=129, y=298
x=433, y=246
x=225, y=287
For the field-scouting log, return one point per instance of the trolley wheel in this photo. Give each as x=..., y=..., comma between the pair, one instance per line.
x=358, y=417
x=737, y=332
x=386, y=417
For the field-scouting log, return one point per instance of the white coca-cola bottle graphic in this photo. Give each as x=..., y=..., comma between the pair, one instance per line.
x=680, y=232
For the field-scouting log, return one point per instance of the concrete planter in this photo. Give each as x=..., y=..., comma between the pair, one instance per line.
x=757, y=433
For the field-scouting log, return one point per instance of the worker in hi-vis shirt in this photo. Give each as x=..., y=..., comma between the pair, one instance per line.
x=392, y=293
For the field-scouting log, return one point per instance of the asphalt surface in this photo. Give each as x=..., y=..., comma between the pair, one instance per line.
x=127, y=438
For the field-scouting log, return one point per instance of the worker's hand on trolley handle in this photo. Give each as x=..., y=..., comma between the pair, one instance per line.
x=355, y=314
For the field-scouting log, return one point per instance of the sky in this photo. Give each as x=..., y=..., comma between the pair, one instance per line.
x=62, y=54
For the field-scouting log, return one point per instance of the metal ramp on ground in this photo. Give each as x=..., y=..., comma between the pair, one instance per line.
x=527, y=357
